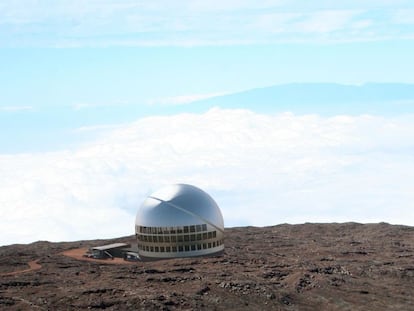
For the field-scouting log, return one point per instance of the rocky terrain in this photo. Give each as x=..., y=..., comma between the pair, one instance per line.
x=286, y=267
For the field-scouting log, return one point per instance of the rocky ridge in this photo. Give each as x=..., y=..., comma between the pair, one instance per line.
x=346, y=266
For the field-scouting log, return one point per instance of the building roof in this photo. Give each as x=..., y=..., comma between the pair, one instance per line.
x=110, y=246
x=179, y=205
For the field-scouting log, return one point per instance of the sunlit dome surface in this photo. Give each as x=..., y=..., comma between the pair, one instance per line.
x=179, y=221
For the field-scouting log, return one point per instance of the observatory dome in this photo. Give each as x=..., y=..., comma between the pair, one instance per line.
x=179, y=221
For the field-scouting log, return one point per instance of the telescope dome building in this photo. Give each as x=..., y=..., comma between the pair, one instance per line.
x=179, y=221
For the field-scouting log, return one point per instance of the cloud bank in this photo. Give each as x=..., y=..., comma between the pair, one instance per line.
x=261, y=169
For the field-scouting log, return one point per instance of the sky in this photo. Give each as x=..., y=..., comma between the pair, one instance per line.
x=89, y=125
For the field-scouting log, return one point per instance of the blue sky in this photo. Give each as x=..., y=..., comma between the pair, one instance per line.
x=88, y=125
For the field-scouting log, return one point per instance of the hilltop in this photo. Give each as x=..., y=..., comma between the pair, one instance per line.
x=345, y=266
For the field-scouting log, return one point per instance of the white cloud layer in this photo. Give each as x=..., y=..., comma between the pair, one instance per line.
x=261, y=169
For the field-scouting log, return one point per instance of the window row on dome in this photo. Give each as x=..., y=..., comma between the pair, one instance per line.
x=172, y=230
x=177, y=238
x=180, y=248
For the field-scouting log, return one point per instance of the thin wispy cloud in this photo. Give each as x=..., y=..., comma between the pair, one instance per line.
x=197, y=23
x=183, y=99
x=261, y=169
x=15, y=108
x=86, y=105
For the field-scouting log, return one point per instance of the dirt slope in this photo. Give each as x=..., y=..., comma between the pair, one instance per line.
x=286, y=267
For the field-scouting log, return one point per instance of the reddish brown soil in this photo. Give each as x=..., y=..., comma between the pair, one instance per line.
x=33, y=265
x=286, y=267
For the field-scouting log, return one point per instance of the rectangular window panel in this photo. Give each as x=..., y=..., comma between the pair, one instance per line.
x=192, y=228
x=168, y=249
x=204, y=245
x=167, y=239
x=174, y=249
x=204, y=227
x=162, y=249
x=193, y=247
x=205, y=236
x=156, y=249
x=180, y=238
x=161, y=239
x=155, y=238
x=210, y=235
x=173, y=238
x=192, y=237
x=185, y=229
x=209, y=245
x=199, y=246
x=198, y=228
x=187, y=248
x=180, y=248
x=199, y=236
x=186, y=238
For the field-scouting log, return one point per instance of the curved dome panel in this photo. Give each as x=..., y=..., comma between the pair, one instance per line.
x=177, y=205
x=179, y=221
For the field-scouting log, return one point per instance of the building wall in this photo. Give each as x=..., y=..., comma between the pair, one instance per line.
x=180, y=241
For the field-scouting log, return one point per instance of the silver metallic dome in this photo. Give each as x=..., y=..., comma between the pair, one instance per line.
x=179, y=221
